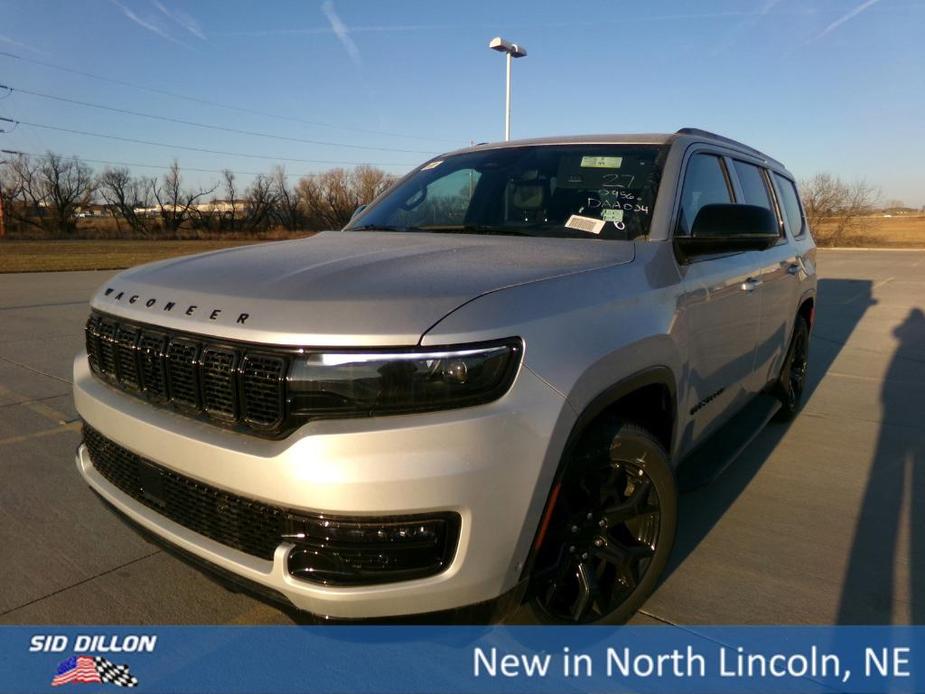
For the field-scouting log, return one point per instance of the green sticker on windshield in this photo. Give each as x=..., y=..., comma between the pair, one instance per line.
x=601, y=162
x=610, y=215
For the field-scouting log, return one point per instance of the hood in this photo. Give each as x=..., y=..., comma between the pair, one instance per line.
x=342, y=288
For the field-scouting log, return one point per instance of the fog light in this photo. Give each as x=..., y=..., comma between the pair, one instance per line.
x=363, y=551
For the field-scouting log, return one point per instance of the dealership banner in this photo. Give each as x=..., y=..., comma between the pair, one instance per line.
x=463, y=660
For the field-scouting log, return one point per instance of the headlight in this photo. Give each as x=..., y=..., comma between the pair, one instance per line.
x=367, y=383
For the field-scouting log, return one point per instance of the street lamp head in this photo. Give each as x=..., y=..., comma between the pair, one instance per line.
x=505, y=46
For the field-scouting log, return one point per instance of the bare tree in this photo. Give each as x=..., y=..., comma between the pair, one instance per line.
x=261, y=203
x=68, y=184
x=46, y=192
x=23, y=198
x=177, y=205
x=369, y=183
x=231, y=195
x=833, y=206
x=127, y=196
x=288, y=207
x=330, y=198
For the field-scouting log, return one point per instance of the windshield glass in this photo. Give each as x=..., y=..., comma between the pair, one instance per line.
x=581, y=191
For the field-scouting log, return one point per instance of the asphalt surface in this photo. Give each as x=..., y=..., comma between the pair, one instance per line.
x=819, y=521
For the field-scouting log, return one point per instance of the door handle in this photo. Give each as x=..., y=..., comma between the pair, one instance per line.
x=750, y=284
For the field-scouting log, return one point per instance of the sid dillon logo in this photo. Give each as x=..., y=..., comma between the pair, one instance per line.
x=86, y=668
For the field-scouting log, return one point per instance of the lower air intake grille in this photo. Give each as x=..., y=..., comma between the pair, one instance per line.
x=327, y=549
x=240, y=523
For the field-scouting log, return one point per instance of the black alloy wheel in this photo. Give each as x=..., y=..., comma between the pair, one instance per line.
x=792, y=381
x=612, y=529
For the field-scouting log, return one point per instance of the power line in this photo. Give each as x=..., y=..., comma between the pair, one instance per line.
x=210, y=126
x=209, y=102
x=166, y=145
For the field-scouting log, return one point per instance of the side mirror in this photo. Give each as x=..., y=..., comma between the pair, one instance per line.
x=729, y=228
x=357, y=211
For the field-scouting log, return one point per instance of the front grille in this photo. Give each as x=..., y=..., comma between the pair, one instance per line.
x=231, y=384
x=328, y=549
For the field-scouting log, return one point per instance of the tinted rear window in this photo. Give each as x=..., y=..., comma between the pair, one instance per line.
x=754, y=187
x=790, y=202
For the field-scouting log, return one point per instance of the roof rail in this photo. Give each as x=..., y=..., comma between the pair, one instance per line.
x=721, y=138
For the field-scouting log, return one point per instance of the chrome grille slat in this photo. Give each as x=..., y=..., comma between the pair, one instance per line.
x=126, y=340
x=152, y=348
x=228, y=383
x=262, y=380
x=106, y=331
x=219, y=387
x=183, y=373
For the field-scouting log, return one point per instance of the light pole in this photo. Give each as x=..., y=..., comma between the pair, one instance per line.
x=513, y=51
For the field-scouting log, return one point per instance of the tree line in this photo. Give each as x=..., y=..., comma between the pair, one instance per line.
x=49, y=194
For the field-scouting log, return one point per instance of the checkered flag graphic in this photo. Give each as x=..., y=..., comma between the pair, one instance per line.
x=118, y=675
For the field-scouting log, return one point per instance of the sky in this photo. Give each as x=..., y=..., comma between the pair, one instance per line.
x=823, y=85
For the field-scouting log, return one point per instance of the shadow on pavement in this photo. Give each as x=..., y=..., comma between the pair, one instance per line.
x=841, y=304
x=897, y=475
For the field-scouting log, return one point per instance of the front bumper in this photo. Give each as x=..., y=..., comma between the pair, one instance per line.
x=491, y=464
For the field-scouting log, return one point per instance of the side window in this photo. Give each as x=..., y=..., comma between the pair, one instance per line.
x=704, y=184
x=790, y=202
x=754, y=187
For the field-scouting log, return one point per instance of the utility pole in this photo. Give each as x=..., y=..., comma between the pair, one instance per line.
x=2, y=215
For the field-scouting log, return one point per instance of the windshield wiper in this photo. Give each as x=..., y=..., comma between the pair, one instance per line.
x=449, y=229
x=479, y=229
x=383, y=227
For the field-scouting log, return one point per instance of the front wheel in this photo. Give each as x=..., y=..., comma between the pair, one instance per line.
x=612, y=529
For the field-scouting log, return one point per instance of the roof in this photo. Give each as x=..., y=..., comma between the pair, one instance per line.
x=689, y=134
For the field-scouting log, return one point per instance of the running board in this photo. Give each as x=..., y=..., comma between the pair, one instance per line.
x=719, y=451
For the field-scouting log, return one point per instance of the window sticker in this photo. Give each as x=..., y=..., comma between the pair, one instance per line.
x=587, y=224
x=601, y=162
x=432, y=165
x=612, y=215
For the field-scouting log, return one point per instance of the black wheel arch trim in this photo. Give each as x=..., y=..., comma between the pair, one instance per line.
x=651, y=376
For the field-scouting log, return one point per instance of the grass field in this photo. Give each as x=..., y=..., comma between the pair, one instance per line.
x=38, y=256
x=878, y=232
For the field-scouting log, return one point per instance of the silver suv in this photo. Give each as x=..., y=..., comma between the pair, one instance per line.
x=483, y=392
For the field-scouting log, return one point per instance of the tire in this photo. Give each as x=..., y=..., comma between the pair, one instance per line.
x=611, y=531
x=791, y=382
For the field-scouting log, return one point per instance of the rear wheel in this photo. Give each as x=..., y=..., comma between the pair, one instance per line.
x=792, y=380
x=611, y=532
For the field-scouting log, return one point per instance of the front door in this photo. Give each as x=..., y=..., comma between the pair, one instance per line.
x=721, y=310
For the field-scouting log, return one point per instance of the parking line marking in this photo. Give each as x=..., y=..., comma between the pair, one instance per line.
x=72, y=426
x=34, y=370
x=37, y=406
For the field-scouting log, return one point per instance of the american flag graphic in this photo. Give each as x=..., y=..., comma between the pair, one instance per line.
x=93, y=670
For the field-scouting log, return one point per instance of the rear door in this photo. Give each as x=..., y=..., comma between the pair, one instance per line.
x=721, y=307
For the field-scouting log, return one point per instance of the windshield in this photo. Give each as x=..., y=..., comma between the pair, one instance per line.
x=580, y=191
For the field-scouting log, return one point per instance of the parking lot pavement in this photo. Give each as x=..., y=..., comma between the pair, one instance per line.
x=818, y=521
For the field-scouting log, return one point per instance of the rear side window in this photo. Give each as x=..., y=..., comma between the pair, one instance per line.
x=754, y=188
x=704, y=184
x=790, y=202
